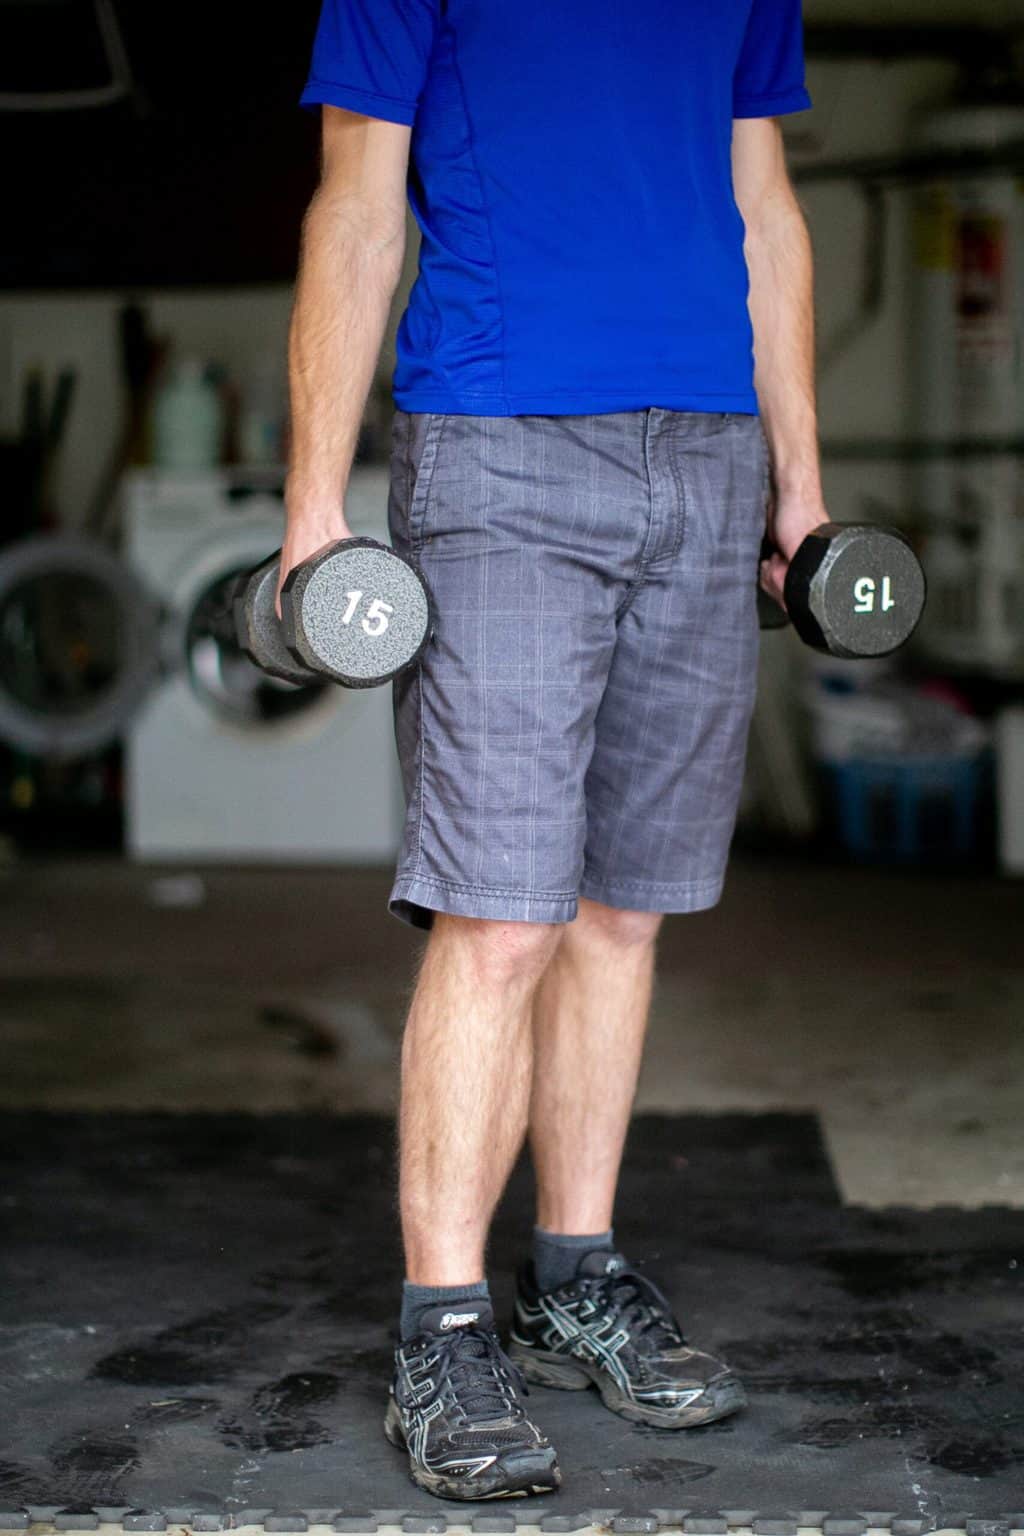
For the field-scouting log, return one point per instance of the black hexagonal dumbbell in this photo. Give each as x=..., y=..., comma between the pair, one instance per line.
x=852, y=589
x=355, y=612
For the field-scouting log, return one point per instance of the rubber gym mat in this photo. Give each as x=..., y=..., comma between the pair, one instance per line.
x=197, y=1318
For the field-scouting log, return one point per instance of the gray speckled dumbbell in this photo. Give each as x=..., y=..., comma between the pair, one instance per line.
x=356, y=612
x=258, y=628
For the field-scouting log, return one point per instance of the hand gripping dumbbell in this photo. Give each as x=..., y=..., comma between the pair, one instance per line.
x=852, y=589
x=355, y=612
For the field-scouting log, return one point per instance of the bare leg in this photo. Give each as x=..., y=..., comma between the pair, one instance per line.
x=589, y=1021
x=466, y=1058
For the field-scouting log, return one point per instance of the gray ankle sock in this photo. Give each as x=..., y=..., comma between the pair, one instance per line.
x=418, y=1299
x=556, y=1254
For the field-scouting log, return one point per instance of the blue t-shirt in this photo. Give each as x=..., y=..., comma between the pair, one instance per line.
x=570, y=172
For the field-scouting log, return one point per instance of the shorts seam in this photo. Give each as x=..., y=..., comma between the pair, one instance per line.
x=420, y=745
x=766, y=475
x=499, y=892
x=423, y=480
x=681, y=506
x=654, y=885
x=637, y=580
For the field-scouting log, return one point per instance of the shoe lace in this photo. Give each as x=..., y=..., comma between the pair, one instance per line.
x=638, y=1304
x=479, y=1371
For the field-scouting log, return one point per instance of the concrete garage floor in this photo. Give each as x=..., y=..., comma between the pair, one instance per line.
x=888, y=1003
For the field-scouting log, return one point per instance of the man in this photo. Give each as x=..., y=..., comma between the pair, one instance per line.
x=581, y=465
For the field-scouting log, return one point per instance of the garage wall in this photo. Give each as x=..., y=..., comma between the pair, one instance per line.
x=240, y=327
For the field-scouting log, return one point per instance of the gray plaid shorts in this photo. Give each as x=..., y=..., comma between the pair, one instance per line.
x=578, y=724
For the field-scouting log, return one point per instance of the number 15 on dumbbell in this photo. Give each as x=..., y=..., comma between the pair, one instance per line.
x=356, y=612
x=865, y=598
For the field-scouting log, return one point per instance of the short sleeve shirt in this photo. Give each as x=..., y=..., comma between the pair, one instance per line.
x=570, y=172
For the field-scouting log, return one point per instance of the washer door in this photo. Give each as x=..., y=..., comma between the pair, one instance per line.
x=79, y=645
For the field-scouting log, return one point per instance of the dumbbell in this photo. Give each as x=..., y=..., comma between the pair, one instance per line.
x=852, y=589
x=356, y=612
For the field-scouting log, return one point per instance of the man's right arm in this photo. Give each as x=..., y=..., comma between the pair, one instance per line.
x=353, y=243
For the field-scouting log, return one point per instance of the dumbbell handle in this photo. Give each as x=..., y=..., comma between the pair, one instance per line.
x=220, y=624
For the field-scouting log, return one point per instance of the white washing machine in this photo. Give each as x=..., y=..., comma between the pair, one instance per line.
x=223, y=762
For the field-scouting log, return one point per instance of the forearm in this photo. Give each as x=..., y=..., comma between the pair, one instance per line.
x=781, y=301
x=348, y=273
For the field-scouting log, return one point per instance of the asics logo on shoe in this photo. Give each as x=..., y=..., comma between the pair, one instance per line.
x=459, y=1319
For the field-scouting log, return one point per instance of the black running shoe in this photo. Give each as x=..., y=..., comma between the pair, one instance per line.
x=454, y=1406
x=611, y=1327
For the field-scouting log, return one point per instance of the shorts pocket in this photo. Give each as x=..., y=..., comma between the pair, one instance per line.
x=766, y=469
x=724, y=421
x=426, y=432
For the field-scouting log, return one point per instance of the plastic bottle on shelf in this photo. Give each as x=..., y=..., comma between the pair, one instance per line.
x=188, y=419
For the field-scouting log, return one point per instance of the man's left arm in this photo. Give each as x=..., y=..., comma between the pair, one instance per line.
x=781, y=302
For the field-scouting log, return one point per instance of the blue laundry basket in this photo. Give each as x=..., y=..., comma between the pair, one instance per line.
x=912, y=810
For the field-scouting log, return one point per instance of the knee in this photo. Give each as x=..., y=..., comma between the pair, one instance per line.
x=617, y=925
x=501, y=951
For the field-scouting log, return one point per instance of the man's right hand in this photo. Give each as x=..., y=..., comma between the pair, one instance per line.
x=303, y=537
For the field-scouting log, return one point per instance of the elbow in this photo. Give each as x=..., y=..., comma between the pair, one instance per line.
x=370, y=226
x=776, y=219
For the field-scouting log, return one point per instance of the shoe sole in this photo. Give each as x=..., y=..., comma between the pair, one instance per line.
x=515, y=1476
x=722, y=1396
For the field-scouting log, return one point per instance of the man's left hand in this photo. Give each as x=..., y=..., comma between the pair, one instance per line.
x=790, y=519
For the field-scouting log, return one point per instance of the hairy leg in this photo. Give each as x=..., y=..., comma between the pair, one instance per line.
x=466, y=1057
x=589, y=1021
